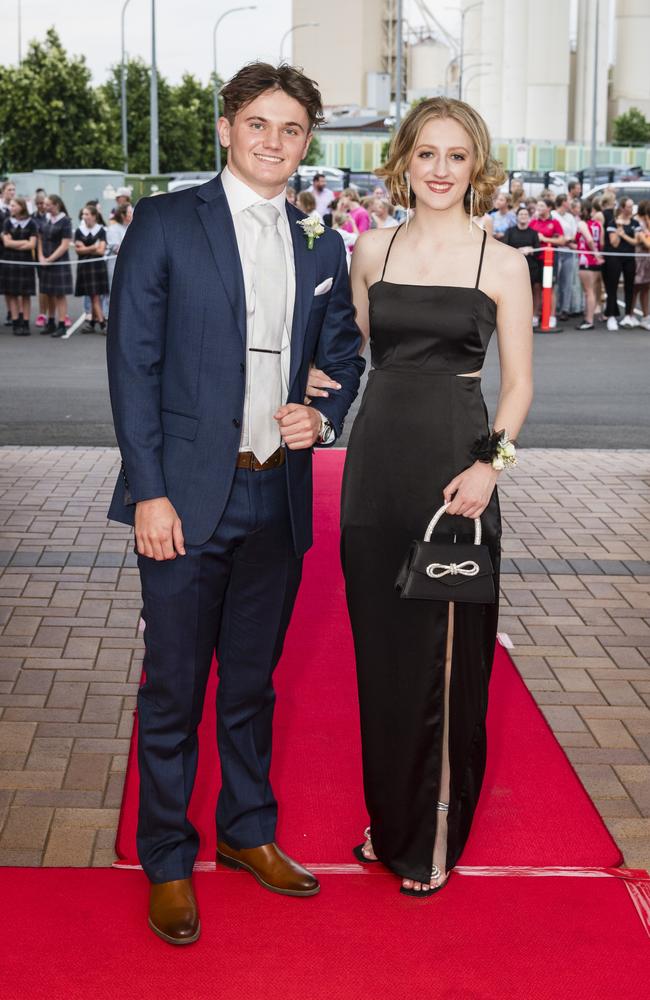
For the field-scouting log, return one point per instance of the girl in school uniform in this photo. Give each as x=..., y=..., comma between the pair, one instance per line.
x=39, y=215
x=19, y=235
x=7, y=192
x=92, y=278
x=55, y=274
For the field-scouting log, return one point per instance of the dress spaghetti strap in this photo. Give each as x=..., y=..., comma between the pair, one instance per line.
x=390, y=247
x=480, y=263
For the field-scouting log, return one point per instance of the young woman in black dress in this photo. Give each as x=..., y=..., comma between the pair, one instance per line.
x=428, y=297
x=92, y=277
x=19, y=234
x=53, y=246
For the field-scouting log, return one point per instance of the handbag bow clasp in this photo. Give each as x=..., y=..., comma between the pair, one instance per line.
x=437, y=570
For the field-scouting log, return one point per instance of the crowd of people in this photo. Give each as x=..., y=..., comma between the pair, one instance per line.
x=348, y=212
x=608, y=241
x=36, y=240
x=599, y=233
x=602, y=235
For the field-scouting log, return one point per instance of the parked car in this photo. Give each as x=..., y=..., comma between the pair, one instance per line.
x=613, y=175
x=534, y=181
x=636, y=190
x=183, y=183
x=333, y=176
x=365, y=183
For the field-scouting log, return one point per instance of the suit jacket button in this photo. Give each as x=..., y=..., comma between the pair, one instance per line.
x=242, y=367
x=236, y=423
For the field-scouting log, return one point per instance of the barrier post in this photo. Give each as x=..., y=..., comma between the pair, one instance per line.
x=547, y=291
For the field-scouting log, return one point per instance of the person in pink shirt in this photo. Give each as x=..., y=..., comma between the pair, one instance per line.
x=349, y=202
x=550, y=232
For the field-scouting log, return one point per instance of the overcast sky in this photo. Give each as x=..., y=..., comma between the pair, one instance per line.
x=184, y=31
x=183, y=28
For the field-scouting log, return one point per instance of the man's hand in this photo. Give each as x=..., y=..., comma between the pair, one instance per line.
x=158, y=530
x=299, y=425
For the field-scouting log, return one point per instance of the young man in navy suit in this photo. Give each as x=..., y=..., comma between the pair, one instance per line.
x=220, y=302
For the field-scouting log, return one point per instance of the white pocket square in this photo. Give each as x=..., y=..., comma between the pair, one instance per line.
x=323, y=287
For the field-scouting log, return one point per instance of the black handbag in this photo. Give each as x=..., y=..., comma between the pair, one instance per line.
x=447, y=571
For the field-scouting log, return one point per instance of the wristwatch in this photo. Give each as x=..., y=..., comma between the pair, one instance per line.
x=327, y=433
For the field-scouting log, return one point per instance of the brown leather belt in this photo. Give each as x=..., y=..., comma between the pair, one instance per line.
x=247, y=460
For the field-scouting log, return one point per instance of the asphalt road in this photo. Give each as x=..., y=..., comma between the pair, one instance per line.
x=591, y=390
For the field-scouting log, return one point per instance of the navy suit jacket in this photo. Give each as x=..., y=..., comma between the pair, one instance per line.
x=177, y=353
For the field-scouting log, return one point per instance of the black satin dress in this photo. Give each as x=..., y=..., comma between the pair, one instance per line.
x=414, y=432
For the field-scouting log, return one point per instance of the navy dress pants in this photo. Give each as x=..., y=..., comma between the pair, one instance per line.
x=233, y=594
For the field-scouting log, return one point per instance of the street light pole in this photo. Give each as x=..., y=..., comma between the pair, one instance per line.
x=398, y=65
x=305, y=24
x=125, y=142
x=594, y=107
x=217, y=144
x=20, y=33
x=154, y=164
x=463, y=15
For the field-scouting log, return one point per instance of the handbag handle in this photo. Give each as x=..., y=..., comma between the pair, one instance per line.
x=438, y=514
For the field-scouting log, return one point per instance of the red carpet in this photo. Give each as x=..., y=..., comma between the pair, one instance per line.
x=80, y=934
x=495, y=933
x=533, y=809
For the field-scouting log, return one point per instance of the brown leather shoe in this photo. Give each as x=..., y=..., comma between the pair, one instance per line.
x=173, y=913
x=271, y=867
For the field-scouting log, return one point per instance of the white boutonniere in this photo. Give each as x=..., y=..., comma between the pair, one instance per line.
x=312, y=228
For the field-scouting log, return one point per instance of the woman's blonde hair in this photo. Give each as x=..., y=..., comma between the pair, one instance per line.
x=487, y=175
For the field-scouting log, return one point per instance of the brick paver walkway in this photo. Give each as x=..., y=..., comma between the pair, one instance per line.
x=576, y=604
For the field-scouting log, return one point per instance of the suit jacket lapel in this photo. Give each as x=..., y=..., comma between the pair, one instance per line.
x=305, y=261
x=217, y=221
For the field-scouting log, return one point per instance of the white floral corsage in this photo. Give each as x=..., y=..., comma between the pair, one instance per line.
x=506, y=455
x=495, y=449
x=312, y=228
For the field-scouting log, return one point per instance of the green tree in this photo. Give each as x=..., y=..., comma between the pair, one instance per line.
x=314, y=157
x=631, y=128
x=185, y=115
x=194, y=104
x=50, y=115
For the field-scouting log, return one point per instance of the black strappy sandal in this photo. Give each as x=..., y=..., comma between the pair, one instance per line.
x=358, y=850
x=435, y=873
x=424, y=893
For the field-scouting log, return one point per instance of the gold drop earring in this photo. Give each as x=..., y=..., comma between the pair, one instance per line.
x=471, y=206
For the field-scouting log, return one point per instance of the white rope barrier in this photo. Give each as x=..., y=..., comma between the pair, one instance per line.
x=595, y=253
x=113, y=257
x=59, y=263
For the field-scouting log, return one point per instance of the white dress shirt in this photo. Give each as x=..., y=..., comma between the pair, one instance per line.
x=240, y=197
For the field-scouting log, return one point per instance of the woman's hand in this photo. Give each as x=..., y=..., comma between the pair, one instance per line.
x=473, y=490
x=318, y=382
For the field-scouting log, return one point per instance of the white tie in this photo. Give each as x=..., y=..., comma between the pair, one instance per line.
x=264, y=352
